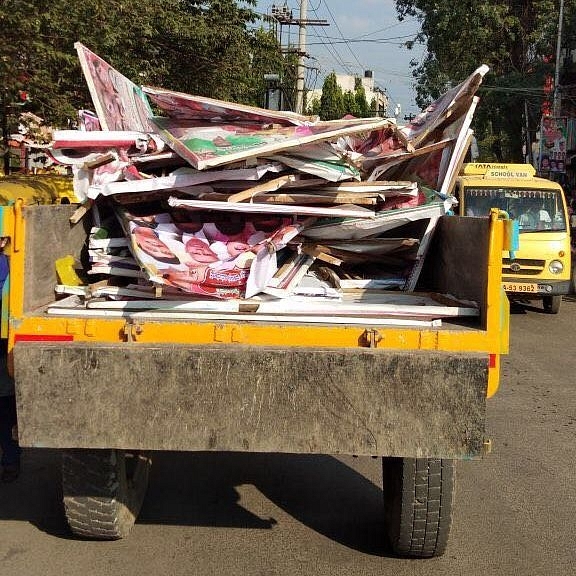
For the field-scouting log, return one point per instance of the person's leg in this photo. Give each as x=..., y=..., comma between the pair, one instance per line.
x=10, y=450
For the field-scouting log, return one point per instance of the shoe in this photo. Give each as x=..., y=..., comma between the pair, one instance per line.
x=9, y=473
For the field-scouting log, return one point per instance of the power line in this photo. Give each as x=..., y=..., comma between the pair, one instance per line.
x=392, y=40
x=342, y=36
x=406, y=21
x=329, y=46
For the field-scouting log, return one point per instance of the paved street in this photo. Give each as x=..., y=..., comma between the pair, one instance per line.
x=288, y=515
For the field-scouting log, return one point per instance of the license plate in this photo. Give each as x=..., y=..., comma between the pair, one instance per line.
x=516, y=287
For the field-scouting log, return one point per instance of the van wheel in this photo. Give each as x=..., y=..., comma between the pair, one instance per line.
x=103, y=491
x=552, y=304
x=418, y=496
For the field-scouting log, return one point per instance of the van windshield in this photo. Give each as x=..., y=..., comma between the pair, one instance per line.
x=535, y=209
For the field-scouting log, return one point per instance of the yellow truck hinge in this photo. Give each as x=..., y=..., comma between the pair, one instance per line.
x=370, y=338
x=131, y=330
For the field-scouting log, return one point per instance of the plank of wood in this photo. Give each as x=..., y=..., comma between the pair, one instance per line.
x=391, y=306
x=286, y=268
x=340, y=211
x=102, y=160
x=317, y=252
x=320, y=197
x=81, y=211
x=270, y=186
x=412, y=279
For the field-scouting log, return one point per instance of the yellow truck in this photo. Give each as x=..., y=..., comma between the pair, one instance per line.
x=110, y=391
x=540, y=268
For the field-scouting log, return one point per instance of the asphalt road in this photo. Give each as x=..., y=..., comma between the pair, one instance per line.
x=264, y=515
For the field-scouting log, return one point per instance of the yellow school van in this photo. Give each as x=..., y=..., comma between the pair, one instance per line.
x=540, y=268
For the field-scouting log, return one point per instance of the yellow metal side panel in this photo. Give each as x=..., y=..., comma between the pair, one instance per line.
x=498, y=316
x=14, y=226
x=37, y=189
x=253, y=334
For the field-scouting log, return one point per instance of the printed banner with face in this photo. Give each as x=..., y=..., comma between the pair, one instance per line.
x=553, y=136
x=207, y=253
x=119, y=102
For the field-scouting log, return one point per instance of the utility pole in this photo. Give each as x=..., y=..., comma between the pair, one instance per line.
x=528, y=141
x=301, y=55
x=283, y=16
x=556, y=107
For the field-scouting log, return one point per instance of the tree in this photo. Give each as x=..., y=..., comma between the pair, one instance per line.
x=335, y=103
x=204, y=47
x=332, y=99
x=362, y=107
x=349, y=103
x=516, y=38
x=313, y=107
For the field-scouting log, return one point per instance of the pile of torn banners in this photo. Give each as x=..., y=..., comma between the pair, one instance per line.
x=205, y=206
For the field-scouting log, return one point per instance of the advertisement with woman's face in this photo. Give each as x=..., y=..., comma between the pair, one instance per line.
x=116, y=99
x=212, y=258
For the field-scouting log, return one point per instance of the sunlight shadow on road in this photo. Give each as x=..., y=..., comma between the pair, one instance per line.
x=319, y=491
x=201, y=489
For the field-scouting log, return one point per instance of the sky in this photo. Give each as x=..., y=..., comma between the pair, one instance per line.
x=360, y=35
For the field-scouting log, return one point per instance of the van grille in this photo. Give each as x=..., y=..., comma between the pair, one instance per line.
x=522, y=267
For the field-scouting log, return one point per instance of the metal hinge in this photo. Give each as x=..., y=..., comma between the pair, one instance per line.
x=131, y=330
x=370, y=338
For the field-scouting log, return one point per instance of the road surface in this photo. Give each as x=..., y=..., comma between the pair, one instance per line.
x=245, y=514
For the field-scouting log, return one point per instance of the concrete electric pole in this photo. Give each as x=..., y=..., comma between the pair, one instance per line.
x=301, y=55
x=283, y=16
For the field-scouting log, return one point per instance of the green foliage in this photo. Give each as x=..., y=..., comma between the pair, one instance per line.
x=349, y=101
x=335, y=103
x=287, y=68
x=313, y=107
x=515, y=38
x=203, y=47
x=362, y=107
x=332, y=100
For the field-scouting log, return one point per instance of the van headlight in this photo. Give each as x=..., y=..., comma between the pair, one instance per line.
x=556, y=267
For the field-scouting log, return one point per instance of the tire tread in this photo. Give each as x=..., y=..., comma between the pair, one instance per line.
x=418, y=504
x=99, y=501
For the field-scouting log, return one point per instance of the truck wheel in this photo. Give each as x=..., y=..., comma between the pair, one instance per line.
x=103, y=491
x=552, y=304
x=418, y=504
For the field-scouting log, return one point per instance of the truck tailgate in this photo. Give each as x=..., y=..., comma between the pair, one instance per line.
x=243, y=398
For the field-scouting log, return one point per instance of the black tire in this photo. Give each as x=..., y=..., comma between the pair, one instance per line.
x=103, y=491
x=552, y=304
x=418, y=495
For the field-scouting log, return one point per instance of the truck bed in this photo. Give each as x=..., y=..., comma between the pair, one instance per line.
x=259, y=386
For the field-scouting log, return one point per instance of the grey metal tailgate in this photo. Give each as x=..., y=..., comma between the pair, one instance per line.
x=238, y=398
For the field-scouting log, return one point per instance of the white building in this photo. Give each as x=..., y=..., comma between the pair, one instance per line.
x=347, y=83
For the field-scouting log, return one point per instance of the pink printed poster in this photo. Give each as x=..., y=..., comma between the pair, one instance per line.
x=205, y=145
x=118, y=101
x=188, y=107
x=208, y=256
